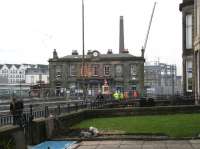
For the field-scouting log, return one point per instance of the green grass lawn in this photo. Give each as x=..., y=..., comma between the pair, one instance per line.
x=179, y=125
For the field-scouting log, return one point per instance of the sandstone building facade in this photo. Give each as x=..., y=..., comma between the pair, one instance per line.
x=197, y=49
x=187, y=9
x=122, y=72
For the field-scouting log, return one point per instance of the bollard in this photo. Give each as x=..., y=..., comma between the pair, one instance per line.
x=31, y=109
x=76, y=104
x=46, y=111
x=68, y=107
x=85, y=104
x=59, y=110
x=91, y=104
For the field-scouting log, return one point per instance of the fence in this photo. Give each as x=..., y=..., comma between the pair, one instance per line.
x=45, y=111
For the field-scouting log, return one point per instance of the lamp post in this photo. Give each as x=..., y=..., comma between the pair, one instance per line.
x=83, y=52
x=20, y=85
x=40, y=83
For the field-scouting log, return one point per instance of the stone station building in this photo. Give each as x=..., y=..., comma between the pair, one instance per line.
x=122, y=72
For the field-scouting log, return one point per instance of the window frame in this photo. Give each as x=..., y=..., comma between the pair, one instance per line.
x=107, y=70
x=74, y=71
x=188, y=31
x=188, y=75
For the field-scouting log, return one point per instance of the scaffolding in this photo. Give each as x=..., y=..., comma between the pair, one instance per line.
x=160, y=78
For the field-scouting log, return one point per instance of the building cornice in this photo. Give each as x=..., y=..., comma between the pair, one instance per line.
x=98, y=60
x=187, y=52
x=185, y=4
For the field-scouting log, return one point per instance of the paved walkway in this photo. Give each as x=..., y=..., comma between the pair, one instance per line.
x=179, y=144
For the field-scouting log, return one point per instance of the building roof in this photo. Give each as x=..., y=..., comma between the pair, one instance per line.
x=36, y=71
x=9, y=65
x=121, y=56
x=17, y=66
x=41, y=66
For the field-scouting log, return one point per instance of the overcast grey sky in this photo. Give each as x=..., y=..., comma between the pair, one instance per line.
x=31, y=29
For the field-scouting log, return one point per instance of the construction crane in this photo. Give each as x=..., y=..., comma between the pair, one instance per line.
x=146, y=39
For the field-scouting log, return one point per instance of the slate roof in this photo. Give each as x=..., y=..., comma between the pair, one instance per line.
x=101, y=57
x=17, y=66
x=36, y=71
x=41, y=66
x=9, y=65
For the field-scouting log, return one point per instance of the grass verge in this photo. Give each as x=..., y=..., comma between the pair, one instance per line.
x=179, y=125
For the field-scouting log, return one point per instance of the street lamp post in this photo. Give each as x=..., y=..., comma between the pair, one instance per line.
x=83, y=52
x=40, y=83
x=20, y=85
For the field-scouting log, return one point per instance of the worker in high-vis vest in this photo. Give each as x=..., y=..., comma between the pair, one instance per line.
x=135, y=94
x=116, y=96
x=126, y=95
x=121, y=96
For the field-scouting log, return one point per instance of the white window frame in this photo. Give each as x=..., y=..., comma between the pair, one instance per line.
x=188, y=74
x=198, y=18
x=118, y=70
x=106, y=70
x=133, y=71
x=73, y=71
x=95, y=69
x=188, y=31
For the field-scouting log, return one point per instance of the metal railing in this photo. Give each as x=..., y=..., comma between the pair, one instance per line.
x=45, y=111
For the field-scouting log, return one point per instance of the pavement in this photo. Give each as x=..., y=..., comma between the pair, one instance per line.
x=166, y=144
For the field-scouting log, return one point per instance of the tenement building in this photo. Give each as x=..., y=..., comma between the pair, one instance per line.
x=197, y=49
x=122, y=72
x=187, y=9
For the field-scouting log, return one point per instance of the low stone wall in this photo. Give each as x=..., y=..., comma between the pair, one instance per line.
x=12, y=137
x=133, y=111
x=46, y=128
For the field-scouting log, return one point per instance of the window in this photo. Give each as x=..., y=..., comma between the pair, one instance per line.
x=95, y=70
x=188, y=29
x=189, y=75
x=58, y=69
x=72, y=70
x=32, y=79
x=118, y=70
x=133, y=71
x=107, y=70
x=198, y=18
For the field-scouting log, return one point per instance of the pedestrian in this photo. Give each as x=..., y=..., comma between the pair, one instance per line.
x=101, y=97
x=16, y=109
x=20, y=107
x=116, y=95
x=13, y=110
x=97, y=97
